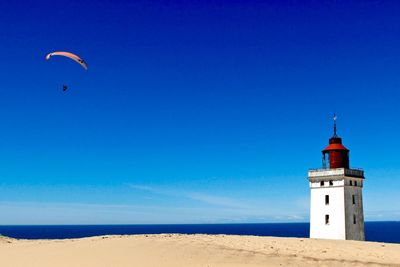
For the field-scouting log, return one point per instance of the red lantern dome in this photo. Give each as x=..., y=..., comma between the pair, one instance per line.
x=335, y=155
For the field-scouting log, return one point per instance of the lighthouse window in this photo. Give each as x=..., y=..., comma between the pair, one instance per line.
x=330, y=182
x=354, y=219
x=355, y=183
x=351, y=182
x=354, y=200
x=326, y=199
x=322, y=183
x=327, y=219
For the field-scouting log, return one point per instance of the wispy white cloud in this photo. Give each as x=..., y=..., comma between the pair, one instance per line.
x=88, y=213
x=216, y=200
x=201, y=197
x=74, y=213
x=156, y=190
x=291, y=217
x=166, y=205
x=224, y=209
x=142, y=187
x=382, y=215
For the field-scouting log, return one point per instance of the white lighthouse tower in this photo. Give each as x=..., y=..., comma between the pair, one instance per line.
x=336, y=195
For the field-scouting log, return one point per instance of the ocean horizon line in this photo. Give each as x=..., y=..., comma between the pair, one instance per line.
x=227, y=223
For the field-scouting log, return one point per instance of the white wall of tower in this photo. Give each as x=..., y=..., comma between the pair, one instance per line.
x=335, y=228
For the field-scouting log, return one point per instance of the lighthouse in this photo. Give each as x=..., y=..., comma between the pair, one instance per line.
x=336, y=210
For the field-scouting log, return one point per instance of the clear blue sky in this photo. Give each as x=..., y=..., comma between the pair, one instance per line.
x=193, y=111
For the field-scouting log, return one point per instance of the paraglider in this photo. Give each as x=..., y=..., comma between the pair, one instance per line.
x=72, y=56
x=69, y=55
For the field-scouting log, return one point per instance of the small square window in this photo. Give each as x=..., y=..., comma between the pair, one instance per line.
x=326, y=219
x=322, y=183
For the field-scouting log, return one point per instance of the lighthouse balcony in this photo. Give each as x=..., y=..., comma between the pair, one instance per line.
x=338, y=172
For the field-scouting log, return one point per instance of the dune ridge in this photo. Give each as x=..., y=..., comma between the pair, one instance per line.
x=173, y=250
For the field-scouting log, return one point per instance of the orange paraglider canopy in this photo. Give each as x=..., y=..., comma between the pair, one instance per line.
x=68, y=55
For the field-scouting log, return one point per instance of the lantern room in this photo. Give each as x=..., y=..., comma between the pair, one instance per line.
x=335, y=155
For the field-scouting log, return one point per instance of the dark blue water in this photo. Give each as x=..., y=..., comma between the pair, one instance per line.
x=374, y=231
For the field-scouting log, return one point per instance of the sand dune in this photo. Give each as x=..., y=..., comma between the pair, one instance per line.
x=195, y=250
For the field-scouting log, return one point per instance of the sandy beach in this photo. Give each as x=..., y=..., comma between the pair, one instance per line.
x=172, y=250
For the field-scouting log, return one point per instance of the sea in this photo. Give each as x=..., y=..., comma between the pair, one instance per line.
x=374, y=231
